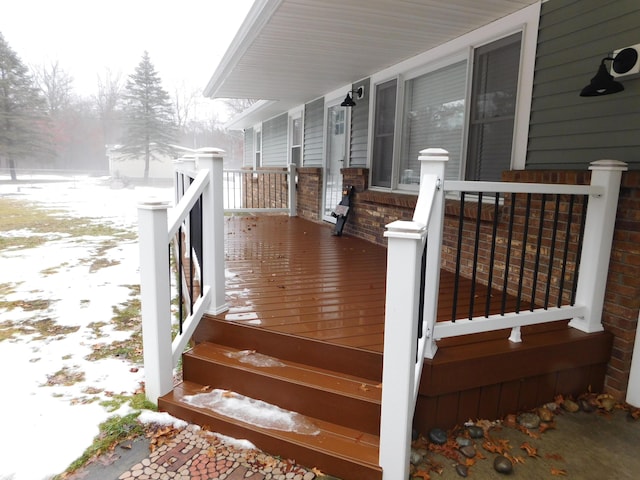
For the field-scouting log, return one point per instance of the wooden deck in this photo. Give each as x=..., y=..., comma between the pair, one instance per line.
x=316, y=302
x=293, y=276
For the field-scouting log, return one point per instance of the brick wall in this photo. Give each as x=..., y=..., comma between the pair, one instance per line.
x=309, y=193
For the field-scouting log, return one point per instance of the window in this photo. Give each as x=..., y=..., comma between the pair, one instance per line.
x=296, y=140
x=257, y=148
x=434, y=105
x=433, y=114
x=384, y=130
x=493, y=107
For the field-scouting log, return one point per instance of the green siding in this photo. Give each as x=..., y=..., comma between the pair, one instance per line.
x=360, y=127
x=313, y=134
x=567, y=130
x=274, y=141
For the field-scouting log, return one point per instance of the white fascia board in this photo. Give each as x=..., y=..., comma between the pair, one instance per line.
x=258, y=16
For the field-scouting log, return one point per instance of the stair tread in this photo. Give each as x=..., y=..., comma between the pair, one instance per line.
x=335, y=382
x=333, y=439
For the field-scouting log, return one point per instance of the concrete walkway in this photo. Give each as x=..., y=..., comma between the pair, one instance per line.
x=581, y=446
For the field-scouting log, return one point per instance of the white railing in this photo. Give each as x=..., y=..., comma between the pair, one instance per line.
x=404, y=349
x=158, y=225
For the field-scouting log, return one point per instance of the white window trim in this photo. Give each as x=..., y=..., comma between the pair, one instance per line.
x=525, y=21
x=295, y=114
x=257, y=129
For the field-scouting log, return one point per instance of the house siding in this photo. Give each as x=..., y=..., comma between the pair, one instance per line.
x=274, y=141
x=313, y=133
x=248, y=148
x=569, y=131
x=360, y=127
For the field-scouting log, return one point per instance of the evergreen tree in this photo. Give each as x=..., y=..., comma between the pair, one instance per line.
x=22, y=110
x=148, y=122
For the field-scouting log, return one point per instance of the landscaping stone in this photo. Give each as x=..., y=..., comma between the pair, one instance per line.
x=462, y=470
x=570, y=406
x=529, y=420
x=463, y=441
x=468, y=451
x=502, y=464
x=438, y=436
x=475, y=431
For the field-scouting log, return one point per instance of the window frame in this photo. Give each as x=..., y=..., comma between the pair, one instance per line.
x=257, y=146
x=297, y=114
x=526, y=22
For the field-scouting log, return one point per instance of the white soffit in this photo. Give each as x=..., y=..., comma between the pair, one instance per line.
x=294, y=51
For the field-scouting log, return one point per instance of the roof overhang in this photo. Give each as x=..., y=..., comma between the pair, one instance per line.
x=289, y=52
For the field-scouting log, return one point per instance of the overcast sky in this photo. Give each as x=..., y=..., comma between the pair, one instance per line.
x=185, y=39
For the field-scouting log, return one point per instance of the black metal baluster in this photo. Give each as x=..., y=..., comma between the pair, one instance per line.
x=576, y=272
x=554, y=234
x=458, y=254
x=565, y=254
x=474, y=271
x=536, y=265
x=496, y=210
x=505, y=281
x=525, y=234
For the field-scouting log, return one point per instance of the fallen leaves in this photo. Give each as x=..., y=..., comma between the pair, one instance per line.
x=530, y=449
x=161, y=436
x=558, y=472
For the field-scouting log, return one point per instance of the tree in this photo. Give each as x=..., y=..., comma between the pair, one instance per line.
x=107, y=101
x=148, y=122
x=56, y=86
x=21, y=109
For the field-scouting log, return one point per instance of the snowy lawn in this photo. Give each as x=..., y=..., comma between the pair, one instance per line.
x=70, y=345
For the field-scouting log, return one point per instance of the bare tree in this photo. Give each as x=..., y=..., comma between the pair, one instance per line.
x=238, y=105
x=184, y=102
x=56, y=86
x=110, y=88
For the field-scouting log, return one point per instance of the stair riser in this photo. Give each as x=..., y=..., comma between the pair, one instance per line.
x=313, y=402
x=346, y=360
x=340, y=467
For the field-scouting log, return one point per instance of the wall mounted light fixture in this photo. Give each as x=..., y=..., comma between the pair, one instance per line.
x=348, y=100
x=603, y=83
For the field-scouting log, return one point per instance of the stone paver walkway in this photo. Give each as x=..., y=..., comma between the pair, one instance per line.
x=195, y=454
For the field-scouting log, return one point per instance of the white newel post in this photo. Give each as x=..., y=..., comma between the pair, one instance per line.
x=433, y=162
x=213, y=227
x=404, y=251
x=293, y=199
x=633, y=389
x=596, y=247
x=155, y=297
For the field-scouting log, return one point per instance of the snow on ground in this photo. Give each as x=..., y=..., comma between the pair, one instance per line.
x=47, y=424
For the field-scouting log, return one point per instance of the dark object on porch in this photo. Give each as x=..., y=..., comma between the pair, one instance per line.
x=342, y=210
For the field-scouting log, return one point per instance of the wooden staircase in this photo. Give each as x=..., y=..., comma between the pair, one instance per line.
x=335, y=388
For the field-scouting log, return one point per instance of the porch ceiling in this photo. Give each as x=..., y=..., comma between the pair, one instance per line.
x=293, y=51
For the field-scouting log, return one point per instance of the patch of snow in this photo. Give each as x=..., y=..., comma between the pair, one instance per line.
x=252, y=411
x=161, y=418
x=250, y=357
x=64, y=419
x=238, y=444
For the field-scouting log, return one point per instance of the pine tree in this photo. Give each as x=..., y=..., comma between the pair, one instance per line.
x=149, y=125
x=22, y=110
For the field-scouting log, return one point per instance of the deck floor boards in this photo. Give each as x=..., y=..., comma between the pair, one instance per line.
x=294, y=276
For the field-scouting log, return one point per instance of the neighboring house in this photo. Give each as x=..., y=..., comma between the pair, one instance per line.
x=126, y=168
x=495, y=83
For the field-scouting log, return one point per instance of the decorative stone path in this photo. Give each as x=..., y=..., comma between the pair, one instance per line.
x=194, y=454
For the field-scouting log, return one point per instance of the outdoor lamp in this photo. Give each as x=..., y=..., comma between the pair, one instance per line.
x=348, y=101
x=603, y=83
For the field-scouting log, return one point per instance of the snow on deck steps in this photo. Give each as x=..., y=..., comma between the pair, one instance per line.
x=346, y=409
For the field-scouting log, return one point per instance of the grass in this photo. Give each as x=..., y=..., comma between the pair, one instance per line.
x=114, y=430
x=126, y=317
x=37, y=225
